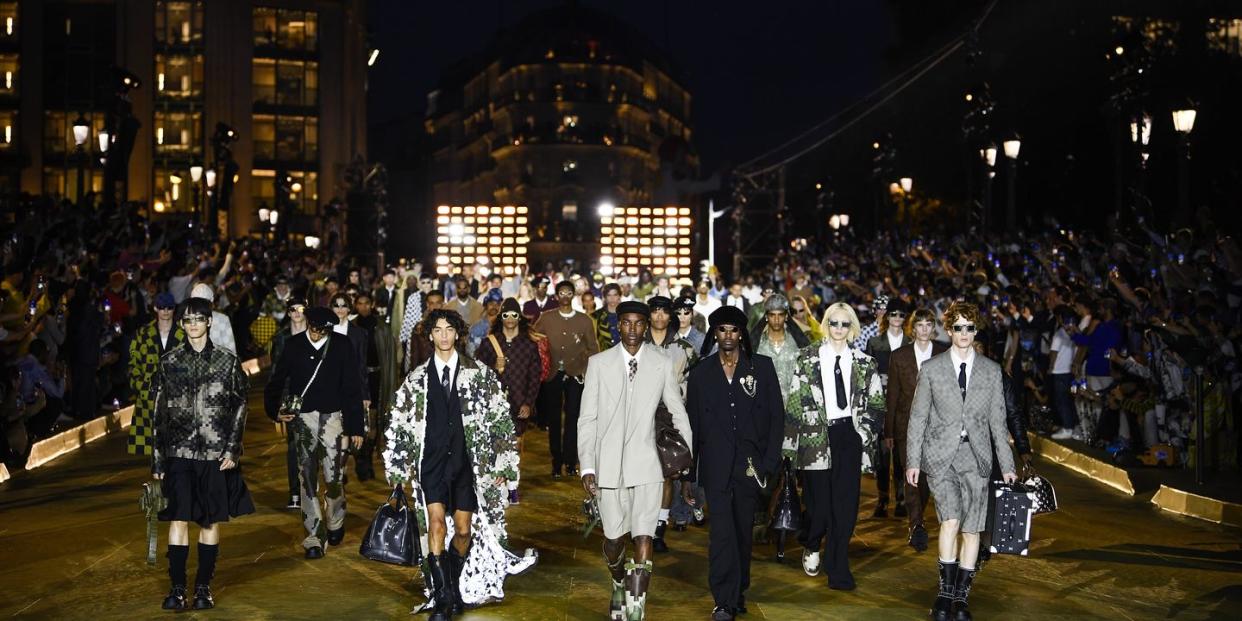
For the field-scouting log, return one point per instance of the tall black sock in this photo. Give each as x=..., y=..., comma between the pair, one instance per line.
x=206, y=563
x=177, y=556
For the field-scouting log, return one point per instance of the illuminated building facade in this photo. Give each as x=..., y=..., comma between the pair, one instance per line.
x=567, y=111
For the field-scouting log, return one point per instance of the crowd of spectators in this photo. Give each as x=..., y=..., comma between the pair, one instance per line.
x=1109, y=335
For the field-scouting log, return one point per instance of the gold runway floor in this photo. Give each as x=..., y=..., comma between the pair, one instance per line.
x=73, y=544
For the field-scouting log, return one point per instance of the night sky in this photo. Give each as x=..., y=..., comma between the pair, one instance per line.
x=746, y=62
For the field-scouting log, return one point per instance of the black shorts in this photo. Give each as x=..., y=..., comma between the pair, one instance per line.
x=198, y=491
x=451, y=487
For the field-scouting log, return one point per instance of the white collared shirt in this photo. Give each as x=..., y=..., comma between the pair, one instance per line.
x=341, y=328
x=736, y=302
x=894, y=342
x=921, y=355
x=827, y=366
x=440, y=366
x=317, y=345
x=957, y=363
x=625, y=355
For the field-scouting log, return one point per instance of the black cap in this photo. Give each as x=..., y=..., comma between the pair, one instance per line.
x=681, y=303
x=659, y=301
x=632, y=307
x=897, y=305
x=320, y=317
x=727, y=316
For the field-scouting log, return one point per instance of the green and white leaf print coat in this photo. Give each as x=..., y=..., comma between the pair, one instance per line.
x=806, y=417
x=493, y=450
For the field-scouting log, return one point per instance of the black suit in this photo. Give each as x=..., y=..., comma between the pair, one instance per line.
x=336, y=387
x=735, y=424
x=888, y=461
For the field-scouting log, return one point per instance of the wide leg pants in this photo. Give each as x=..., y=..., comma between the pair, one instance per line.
x=832, y=502
x=321, y=446
x=730, y=539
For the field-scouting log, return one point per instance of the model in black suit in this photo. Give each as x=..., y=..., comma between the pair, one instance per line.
x=737, y=417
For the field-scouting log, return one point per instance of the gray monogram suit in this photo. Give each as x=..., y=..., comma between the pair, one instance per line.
x=616, y=433
x=957, y=471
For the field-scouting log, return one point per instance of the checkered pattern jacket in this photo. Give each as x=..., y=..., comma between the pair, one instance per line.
x=144, y=361
x=200, y=405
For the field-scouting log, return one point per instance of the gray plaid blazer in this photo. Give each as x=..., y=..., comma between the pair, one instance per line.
x=936, y=416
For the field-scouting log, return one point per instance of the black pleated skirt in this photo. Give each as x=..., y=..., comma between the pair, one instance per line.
x=198, y=491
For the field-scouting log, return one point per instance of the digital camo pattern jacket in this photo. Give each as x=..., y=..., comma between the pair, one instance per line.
x=200, y=405
x=806, y=417
x=493, y=450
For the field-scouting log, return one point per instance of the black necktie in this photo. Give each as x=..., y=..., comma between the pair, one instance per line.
x=444, y=378
x=961, y=380
x=842, y=402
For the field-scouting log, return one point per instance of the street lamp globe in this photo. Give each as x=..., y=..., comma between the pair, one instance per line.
x=834, y=221
x=988, y=154
x=844, y=218
x=907, y=184
x=274, y=216
x=104, y=141
x=81, y=130
x=211, y=178
x=1184, y=120
x=196, y=173
x=1012, y=146
x=263, y=212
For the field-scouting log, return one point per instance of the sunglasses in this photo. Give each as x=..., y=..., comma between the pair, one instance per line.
x=297, y=309
x=193, y=320
x=839, y=324
x=165, y=308
x=340, y=306
x=968, y=328
x=509, y=315
x=317, y=329
x=684, y=312
x=897, y=314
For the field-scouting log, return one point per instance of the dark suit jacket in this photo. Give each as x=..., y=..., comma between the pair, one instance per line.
x=903, y=378
x=336, y=388
x=878, y=348
x=730, y=425
x=358, y=338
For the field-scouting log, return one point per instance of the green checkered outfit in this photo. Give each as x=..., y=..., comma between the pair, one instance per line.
x=144, y=361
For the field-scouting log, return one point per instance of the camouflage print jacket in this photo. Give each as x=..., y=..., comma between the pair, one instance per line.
x=200, y=405
x=806, y=417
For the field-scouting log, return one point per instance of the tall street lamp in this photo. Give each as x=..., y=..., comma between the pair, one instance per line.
x=988, y=155
x=1012, y=146
x=81, y=131
x=196, y=177
x=1184, y=123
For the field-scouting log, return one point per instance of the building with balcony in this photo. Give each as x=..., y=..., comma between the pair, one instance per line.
x=568, y=110
x=255, y=66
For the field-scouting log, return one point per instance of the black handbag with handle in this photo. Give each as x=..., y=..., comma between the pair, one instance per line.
x=393, y=536
x=672, y=448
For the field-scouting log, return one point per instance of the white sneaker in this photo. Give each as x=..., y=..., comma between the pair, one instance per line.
x=1062, y=434
x=810, y=563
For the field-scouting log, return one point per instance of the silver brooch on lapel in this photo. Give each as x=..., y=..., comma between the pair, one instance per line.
x=748, y=385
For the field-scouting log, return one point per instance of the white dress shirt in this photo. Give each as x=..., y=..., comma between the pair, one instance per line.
x=736, y=302
x=625, y=355
x=922, y=355
x=316, y=344
x=440, y=365
x=827, y=366
x=894, y=342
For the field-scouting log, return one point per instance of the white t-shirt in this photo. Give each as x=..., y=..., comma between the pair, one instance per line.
x=1065, y=348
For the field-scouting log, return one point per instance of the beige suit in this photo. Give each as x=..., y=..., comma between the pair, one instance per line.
x=616, y=435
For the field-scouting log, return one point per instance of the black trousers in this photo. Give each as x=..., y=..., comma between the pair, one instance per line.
x=832, y=502
x=888, y=468
x=915, y=495
x=729, y=540
x=559, y=401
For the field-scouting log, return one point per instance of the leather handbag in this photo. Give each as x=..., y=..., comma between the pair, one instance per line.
x=672, y=448
x=788, y=512
x=1045, y=495
x=393, y=534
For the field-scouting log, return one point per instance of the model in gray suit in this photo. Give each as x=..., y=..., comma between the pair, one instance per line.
x=617, y=450
x=957, y=417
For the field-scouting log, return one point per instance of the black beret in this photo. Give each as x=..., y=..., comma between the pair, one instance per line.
x=659, y=301
x=681, y=303
x=727, y=316
x=320, y=317
x=632, y=307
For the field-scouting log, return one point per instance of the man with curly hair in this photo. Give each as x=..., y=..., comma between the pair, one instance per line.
x=956, y=419
x=452, y=434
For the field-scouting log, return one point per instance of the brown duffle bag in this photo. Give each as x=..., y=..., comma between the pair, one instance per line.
x=674, y=452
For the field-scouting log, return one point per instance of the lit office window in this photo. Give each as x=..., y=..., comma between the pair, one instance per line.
x=178, y=76
x=178, y=23
x=286, y=29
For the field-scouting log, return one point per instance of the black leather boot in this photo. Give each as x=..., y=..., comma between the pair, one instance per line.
x=961, y=610
x=942, y=610
x=657, y=542
x=438, y=575
x=175, y=599
x=202, y=597
x=456, y=562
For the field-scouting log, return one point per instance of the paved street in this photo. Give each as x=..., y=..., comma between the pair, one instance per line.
x=74, y=548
